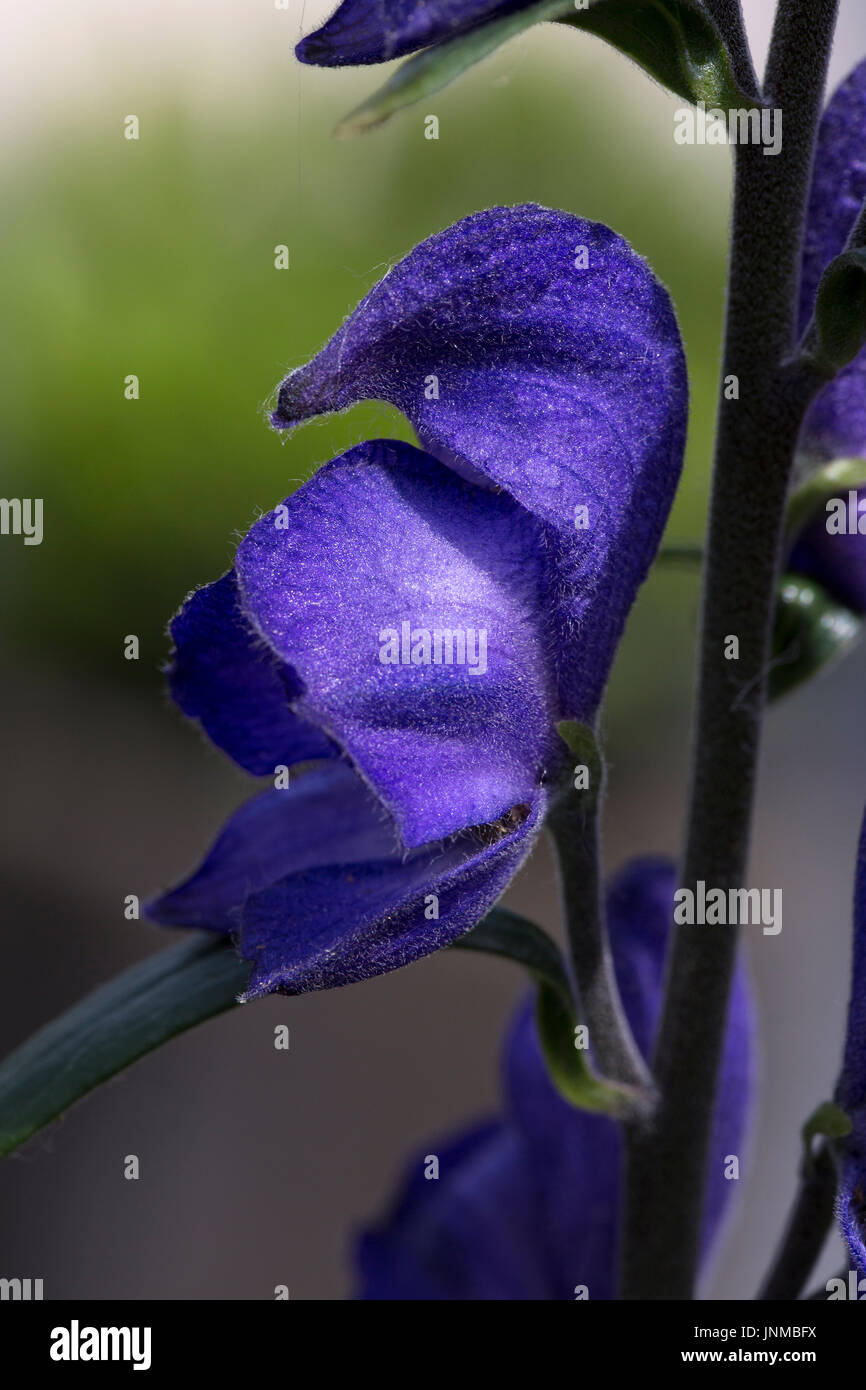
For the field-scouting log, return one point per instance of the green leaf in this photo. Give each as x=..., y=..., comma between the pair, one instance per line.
x=675, y=41
x=810, y=498
x=506, y=934
x=839, y=329
x=811, y=630
x=202, y=976
x=431, y=70
x=115, y=1025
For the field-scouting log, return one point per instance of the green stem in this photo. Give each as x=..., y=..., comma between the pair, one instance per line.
x=757, y=435
x=574, y=825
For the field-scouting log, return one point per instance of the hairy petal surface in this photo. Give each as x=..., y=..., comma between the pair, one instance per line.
x=374, y=31
x=535, y=352
x=391, y=611
x=851, y=1088
x=528, y=1208
x=381, y=550
x=223, y=674
x=327, y=815
x=315, y=885
x=835, y=426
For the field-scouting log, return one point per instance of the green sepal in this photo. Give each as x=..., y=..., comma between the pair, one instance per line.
x=674, y=41
x=112, y=1027
x=811, y=630
x=838, y=330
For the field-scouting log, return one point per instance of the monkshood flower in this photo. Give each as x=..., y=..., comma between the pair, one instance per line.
x=535, y=352
x=679, y=44
x=851, y=1089
x=374, y=31
x=415, y=634
x=525, y=1206
x=835, y=427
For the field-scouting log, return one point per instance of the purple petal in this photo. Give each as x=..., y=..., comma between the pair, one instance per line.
x=327, y=816
x=385, y=537
x=851, y=1202
x=342, y=924
x=447, y=1239
x=224, y=675
x=374, y=31
x=531, y=1210
x=851, y=1088
x=565, y=386
x=851, y=1092
x=836, y=424
x=314, y=880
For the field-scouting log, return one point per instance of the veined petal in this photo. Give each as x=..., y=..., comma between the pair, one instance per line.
x=338, y=925
x=835, y=426
x=851, y=1091
x=313, y=880
x=223, y=674
x=327, y=816
x=530, y=1209
x=851, y=1088
x=411, y=608
x=374, y=31
x=534, y=351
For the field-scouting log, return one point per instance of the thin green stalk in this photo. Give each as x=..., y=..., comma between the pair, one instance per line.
x=757, y=435
x=574, y=825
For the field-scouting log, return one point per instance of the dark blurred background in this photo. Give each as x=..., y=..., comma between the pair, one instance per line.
x=156, y=257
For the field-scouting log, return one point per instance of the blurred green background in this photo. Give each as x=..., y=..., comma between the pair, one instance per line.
x=156, y=257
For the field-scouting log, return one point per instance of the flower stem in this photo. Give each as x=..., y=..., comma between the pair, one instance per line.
x=808, y=1223
x=757, y=435
x=574, y=825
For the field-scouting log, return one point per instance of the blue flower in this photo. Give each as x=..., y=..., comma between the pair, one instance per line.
x=851, y=1088
x=526, y=1205
x=407, y=629
x=374, y=31
x=835, y=427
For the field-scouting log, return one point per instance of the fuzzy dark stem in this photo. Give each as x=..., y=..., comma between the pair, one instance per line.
x=756, y=439
x=809, y=1221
